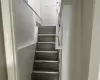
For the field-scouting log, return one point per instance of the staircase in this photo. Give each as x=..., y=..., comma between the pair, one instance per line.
x=46, y=64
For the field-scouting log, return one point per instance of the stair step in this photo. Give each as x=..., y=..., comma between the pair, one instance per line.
x=46, y=38
x=46, y=42
x=47, y=30
x=48, y=27
x=46, y=34
x=49, y=61
x=45, y=72
x=45, y=47
x=46, y=55
x=46, y=65
x=47, y=51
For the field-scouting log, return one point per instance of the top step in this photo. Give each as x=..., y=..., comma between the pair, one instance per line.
x=47, y=30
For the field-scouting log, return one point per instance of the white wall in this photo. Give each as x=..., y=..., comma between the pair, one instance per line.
x=67, y=14
x=48, y=12
x=69, y=69
x=18, y=23
x=35, y=4
x=24, y=25
x=25, y=61
x=86, y=33
x=84, y=18
x=3, y=72
x=78, y=51
x=95, y=44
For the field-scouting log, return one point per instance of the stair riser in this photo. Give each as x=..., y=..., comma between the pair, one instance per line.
x=47, y=30
x=45, y=47
x=46, y=56
x=45, y=77
x=46, y=39
x=46, y=66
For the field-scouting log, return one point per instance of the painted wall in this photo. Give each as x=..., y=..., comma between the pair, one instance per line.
x=84, y=21
x=68, y=52
x=67, y=9
x=35, y=4
x=25, y=61
x=86, y=33
x=76, y=51
x=3, y=72
x=94, y=67
x=24, y=25
x=48, y=12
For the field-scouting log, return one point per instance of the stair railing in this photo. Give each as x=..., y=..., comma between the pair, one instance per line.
x=59, y=37
x=59, y=29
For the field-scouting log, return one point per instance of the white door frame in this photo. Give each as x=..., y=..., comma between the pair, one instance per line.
x=9, y=39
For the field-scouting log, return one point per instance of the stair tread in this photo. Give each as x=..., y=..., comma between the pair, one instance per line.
x=46, y=34
x=46, y=72
x=52, y=61
x=47, y=51
x=47, y=42
x=47, y=26
x=52, y=52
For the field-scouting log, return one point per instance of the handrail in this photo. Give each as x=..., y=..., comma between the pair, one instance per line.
x=60, y=24
x=32, y=9
x=59, y=43
x=58, y=36
x=60, y=14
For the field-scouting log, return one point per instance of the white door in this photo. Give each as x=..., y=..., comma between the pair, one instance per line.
x=49, y=12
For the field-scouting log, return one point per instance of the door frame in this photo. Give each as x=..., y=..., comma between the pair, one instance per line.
x=9, y=40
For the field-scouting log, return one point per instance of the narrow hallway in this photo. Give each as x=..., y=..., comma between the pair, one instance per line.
x=49, y=39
